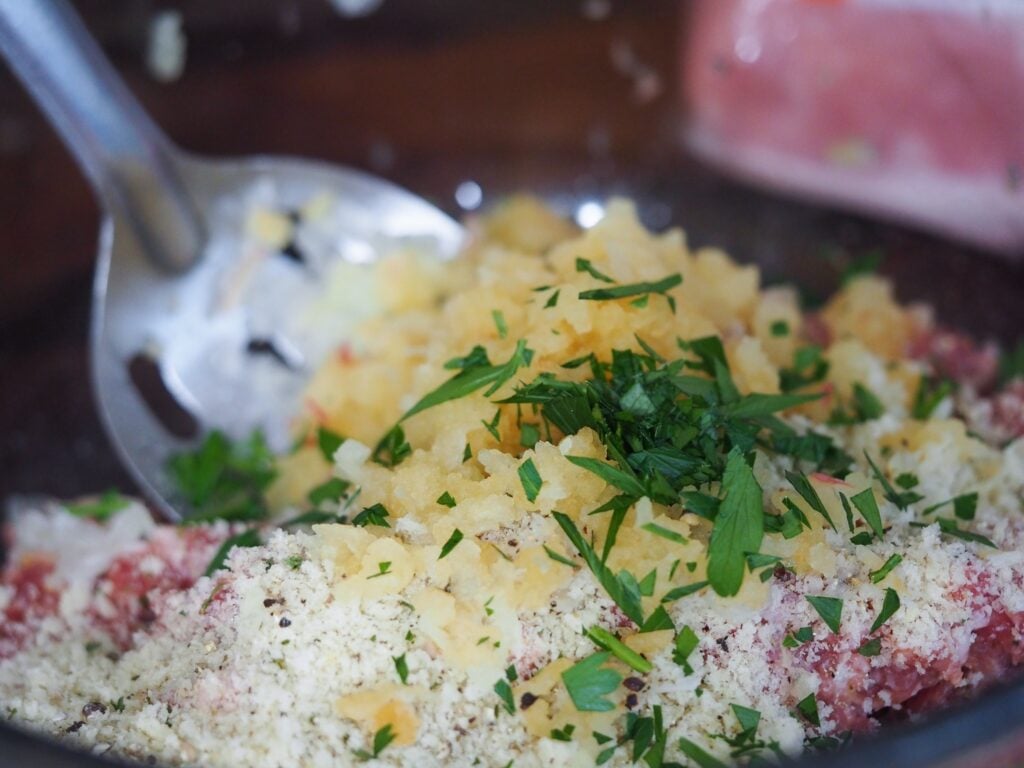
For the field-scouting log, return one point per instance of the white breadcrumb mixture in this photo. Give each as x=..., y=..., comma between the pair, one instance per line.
x=304, y=650
x=254, y=676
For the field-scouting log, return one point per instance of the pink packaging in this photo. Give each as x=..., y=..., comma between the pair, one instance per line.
x=911, y=109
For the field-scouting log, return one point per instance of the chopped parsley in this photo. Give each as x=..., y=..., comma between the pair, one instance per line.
x=621, y=587
x=964, y=506
x=452, y=543
x=686, y=643
x=383, y=568
x=665, y=533
x=103, y=508
x=222, y=480
x=901, y=499
x=249, y=538
x=632, y=289
x=871, y=648
x=609, y=642
x=865, y=406
x=798, y=638
x=803, y=486
x=381, y=739
x=930, y=393
x=886, y=569
x=402, y=668
x=829, y=608
x=739, y=526
x=530, y=479
x=373, y=515
x=328, y=442
x=779, y=328
x=589, y=682
x=564, y=733
x=867, y=505
x=446, y=500
x=528, y=435
x=504, y=691
x=499, y=323
x=890, y=604
x=393, y=448
x=331, y=490
x=808, y=707
x=475, y=375
x=584, y=265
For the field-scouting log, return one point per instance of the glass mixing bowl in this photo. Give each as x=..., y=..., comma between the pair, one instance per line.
x=462, y=103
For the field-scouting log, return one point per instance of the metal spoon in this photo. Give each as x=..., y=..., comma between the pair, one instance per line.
x=157, y=324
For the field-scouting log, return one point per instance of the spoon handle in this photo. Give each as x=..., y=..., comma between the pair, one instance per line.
x=133, y=167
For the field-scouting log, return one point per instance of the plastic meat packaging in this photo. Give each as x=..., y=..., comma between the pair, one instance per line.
x=910, y=109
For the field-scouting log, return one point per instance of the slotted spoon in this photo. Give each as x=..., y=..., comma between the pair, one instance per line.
x=167, y=363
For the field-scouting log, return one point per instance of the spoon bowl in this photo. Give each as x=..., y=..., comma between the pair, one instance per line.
x=176, y=351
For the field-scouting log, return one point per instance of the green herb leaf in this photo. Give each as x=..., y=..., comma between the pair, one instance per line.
x=739, y=526
x=249, y=538
x=552, y=300
x=392, y=449
x=530, y=479
x=528, y=435
x=829, y=608
x=559, y=558
x=222, y=480
x=930, y=393
x=584, y=265
x=881, y=573
x=624, y=481
x=504, y=691
x=589, y=682
x=499, y=323
x=402, y=668
x=755, y=405
x=375, y=515
x=950, y=527
x=798, y=638
x=103, y=508
x=452, y=543
x=331, y=490
x=803, y=486
x=900, y=499
x=472, y=378
x=632, y=289
x=312, y=517
x=779, y=328
x=563, y=734
x=890, y=604
x=680, y=592
x=383, y=568
x=618, y=589
x=446, y=500
x=329, y=442
x=871, y=647
x=808, y=707
x=658, y=620
x=381, y=739
x=867, y=505
x=665, y=533
x=698, y=755
x=686, y=643
x=609, y=642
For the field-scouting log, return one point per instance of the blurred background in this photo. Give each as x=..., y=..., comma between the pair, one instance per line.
x=777, y=129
